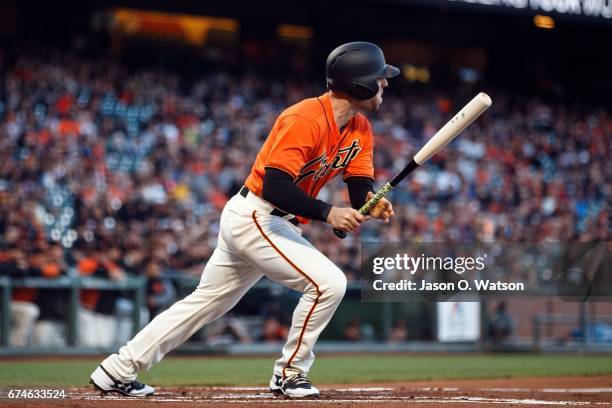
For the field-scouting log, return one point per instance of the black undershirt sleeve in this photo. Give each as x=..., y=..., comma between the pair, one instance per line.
x=278, y=189
x=358, y=188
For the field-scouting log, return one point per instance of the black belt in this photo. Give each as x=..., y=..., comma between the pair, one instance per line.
x=244, y=191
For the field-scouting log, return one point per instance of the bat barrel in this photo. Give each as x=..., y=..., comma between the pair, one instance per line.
x=453, y=127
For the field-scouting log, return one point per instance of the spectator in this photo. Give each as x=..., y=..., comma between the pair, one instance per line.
x=501, y=325
x=160, y=291
x=50, y=329
x=399, y=332
x=352, y=331
x=227, y=330
x=274, y=331
x=96, y=317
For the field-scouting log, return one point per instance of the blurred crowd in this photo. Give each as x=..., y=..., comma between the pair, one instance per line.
x=108, y=171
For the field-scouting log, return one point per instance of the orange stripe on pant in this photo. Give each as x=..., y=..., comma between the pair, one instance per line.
x=303, y=274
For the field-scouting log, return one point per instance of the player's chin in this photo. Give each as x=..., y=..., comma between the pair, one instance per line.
x=373, y=104
x=370, y=105
x=376, y=103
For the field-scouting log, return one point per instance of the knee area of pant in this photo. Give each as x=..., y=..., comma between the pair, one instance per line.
x=336, y=288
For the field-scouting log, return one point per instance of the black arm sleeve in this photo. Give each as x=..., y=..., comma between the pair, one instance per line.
x=358, y=188
x=278, y=189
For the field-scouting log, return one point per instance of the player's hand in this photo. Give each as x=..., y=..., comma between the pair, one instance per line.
x=383, y=210
x=345, y=218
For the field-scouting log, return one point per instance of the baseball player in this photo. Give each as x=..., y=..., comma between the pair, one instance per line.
x=311, y=142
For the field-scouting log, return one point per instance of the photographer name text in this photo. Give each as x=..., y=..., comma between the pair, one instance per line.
x=481, y=285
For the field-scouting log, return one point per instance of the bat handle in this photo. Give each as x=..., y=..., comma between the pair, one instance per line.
x=369, y=204
x=340, y=234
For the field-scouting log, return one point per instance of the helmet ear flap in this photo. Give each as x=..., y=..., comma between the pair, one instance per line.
x=360, y=90
x=365, y=91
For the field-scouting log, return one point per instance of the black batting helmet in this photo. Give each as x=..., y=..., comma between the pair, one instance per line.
x=353, y=69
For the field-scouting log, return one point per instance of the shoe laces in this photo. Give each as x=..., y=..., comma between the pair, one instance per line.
x=136, y=385
x=297, y=379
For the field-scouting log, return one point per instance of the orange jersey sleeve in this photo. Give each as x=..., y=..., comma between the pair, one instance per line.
x=363, y=163
x=294, y=140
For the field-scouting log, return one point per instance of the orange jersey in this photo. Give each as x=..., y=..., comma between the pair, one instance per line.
x=306, y=143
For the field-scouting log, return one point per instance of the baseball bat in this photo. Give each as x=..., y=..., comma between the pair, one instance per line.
x=448, y=132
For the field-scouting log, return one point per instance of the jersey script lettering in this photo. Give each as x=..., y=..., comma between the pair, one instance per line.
x=341, y=160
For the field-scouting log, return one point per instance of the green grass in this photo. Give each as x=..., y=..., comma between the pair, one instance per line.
x=327, y=369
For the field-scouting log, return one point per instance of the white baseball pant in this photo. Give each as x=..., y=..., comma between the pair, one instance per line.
x=252, y=243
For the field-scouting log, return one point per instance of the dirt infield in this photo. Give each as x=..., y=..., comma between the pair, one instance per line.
x=531, y=392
